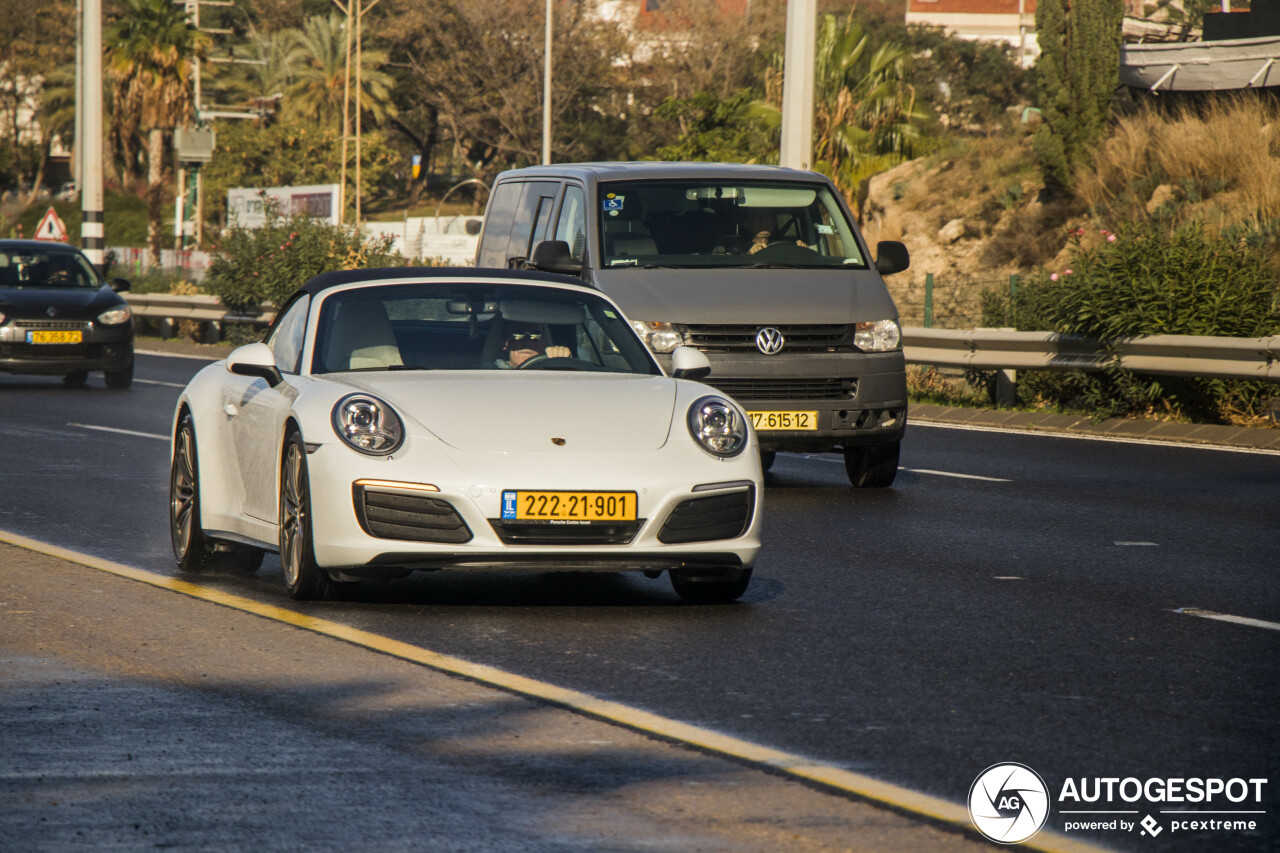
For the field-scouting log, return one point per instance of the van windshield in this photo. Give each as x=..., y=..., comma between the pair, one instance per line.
x=738, y=224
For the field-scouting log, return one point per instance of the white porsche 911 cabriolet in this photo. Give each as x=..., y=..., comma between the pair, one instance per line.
x=418, y=419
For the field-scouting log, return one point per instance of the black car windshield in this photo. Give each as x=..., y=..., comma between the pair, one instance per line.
x=653, y=224
x=24, y=268
x=474, y=327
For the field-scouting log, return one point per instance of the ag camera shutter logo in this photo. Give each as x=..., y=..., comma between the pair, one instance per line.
x=1008, y=803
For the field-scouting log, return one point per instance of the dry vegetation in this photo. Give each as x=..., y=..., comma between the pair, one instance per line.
x=975, y=213
x=1219, y=164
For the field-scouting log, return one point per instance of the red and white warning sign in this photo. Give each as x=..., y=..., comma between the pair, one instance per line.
x=51, y=228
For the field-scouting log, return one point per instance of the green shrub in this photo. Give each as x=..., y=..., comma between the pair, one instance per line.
x=1147, y=280
x=268, y=264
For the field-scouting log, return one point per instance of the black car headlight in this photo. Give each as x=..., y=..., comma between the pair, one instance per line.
x=367, y=424
x=718, y=426
x=115, y=316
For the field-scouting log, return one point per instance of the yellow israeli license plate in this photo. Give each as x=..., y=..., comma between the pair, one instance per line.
x=55, y=337
x=569, y=506
x=784, y=420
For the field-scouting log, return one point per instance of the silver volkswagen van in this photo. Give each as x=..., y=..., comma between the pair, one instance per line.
x=759, y=267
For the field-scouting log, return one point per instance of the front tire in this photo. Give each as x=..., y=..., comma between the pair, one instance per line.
x=303, y=578
x=872, y=467
x=191, y=547
x=709, y=591
x=76, y=378
x=120, y=379
x=194, y=550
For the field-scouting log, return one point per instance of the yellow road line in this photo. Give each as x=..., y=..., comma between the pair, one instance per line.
x=863, y=787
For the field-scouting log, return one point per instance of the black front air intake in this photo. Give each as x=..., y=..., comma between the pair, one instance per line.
x=393, y=515
x=712, y=517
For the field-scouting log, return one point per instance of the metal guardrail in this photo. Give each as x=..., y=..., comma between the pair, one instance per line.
x=1168, y=355
x=201, y=308
x=982, y=349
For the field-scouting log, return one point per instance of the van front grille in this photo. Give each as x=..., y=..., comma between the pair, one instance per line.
x=822, y=337
x=746, y=389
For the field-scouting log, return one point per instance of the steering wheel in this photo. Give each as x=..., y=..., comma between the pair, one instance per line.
x=542, y=362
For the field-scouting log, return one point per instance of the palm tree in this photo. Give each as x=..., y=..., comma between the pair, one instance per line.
x=320, y=81
x=864, y=109
x=151, y=52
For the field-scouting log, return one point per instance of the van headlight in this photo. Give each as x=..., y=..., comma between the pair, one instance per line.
x=367, y=424
x=661, y=337
x=718, y=426
x=878, y=336
x=115, y=316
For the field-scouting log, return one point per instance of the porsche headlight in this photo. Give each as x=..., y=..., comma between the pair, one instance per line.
x=878, y=336
x=718, y=426
x=367, y=424
x=115, y=316
x=661, y=337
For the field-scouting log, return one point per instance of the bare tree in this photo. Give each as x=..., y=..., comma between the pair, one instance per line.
x=479, y=65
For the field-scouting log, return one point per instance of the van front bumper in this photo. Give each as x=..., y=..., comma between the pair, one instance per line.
x=859, y=398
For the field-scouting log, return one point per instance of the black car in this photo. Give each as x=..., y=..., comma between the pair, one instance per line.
x=58, y=317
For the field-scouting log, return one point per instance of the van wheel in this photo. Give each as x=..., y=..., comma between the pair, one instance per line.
x=872, y=467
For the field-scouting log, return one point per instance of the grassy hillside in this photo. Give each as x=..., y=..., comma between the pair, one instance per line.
x=976, y=212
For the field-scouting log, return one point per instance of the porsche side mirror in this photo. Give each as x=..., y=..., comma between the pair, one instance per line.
x=255, y=360
x=554, y=256
x=891, y=257
x=689, y=363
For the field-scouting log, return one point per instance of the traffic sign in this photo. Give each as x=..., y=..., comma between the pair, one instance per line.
x=51, y=228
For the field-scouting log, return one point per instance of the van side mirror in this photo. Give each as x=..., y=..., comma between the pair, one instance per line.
x=554, y=256
x=891, y=257
x=119, y=285
x=689, y=363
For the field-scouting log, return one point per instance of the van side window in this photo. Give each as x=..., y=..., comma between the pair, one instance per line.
x=497, y=224
x=572, y=225
x=533, y=217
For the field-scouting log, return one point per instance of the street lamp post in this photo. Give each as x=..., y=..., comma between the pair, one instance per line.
x=797, y=84
x=546, y=93
x=91, y=227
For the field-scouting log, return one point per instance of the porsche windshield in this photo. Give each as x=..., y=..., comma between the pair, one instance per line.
x=25, y=269
x=491, y=327
x=740, y=224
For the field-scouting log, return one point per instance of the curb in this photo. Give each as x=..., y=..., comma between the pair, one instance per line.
x=1243, y=438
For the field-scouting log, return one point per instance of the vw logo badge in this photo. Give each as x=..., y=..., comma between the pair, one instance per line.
x=770, y=341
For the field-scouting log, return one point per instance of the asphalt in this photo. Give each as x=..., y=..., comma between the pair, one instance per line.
x=1252, y=438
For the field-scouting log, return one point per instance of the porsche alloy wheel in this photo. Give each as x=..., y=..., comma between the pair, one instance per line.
x=700, y=591
x=302, y=577
x=194, y=550
x=190, y=545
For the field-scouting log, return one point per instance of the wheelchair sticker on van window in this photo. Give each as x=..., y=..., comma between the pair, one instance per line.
x=613, y=203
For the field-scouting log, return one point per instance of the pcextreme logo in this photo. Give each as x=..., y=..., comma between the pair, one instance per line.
x=1010, y=802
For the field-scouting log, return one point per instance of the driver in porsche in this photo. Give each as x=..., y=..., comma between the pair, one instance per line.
x=525, y=342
